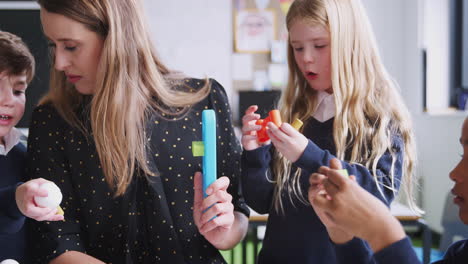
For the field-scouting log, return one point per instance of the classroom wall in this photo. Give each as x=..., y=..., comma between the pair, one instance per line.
x=196, y=37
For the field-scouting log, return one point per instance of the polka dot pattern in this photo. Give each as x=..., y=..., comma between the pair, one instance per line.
x=153, y=221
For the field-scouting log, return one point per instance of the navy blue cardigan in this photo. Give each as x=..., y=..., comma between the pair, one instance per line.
x=299, y=236
x=12, y=233
x=401, y=252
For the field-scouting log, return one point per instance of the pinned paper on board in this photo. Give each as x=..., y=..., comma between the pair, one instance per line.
x=239, y=4
x=262, y=4
x=254, y=30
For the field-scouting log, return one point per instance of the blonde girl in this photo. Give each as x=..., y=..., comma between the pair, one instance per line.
x=352, y=110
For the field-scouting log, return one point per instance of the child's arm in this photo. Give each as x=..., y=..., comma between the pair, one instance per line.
x=311, y=158
x=11, y=219
x=358, y=212
x=256, y=181
x=257, y=184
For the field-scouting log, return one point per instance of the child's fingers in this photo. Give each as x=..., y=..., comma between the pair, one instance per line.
x=316, y=178
x=248, y=138
x=250, y=117
x=337, y=178
x=37, y=191
x=273, y=137
x=247, y=129
x=251, y=109
x=32, y=211
x=47, y=216
x=288, y=129
x=321, y=202
x=330, y=187
x=323, y=170
x=274, y=131
x=56, y=217
x=41, y=181
x=335, y=164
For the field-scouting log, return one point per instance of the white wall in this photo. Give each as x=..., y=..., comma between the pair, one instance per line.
x=398, y=25
x=194, y=36
x=387, y=22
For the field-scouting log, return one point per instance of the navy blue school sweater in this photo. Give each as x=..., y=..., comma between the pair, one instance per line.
x=298, y=235
x=402, y=252
x=12, y=233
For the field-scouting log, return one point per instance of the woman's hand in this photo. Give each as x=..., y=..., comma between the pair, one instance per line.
x=287, y=140
x=213, y=215
x=24, y=196
x=249, y=129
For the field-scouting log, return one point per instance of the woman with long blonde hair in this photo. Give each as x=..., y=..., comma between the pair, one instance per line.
x=115, y=133
x=351, y=110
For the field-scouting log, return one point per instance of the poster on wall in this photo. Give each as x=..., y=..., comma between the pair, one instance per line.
x=254, y=30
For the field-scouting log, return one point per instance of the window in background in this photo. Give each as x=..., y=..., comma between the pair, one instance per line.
x=458, y=54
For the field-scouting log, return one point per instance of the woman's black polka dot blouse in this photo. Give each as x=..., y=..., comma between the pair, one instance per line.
x=152, y=222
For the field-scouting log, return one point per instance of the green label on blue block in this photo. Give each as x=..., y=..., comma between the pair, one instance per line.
x=198, y=149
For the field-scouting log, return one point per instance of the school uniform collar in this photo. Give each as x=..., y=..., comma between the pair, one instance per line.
x=11, y=140
x=325, y=109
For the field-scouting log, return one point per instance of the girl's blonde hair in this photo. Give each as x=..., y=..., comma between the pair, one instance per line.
x=132, y=84
x=369, y=109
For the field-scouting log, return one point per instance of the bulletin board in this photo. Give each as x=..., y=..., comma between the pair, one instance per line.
x=259, y=59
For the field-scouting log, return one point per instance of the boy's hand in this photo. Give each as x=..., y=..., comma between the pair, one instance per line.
x=249, y=129
x=287, y=140
x=337, y=233
x=25, y=201
x=351, y=208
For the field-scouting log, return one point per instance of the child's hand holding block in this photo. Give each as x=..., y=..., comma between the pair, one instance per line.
x=53, y=199
x=273, y=116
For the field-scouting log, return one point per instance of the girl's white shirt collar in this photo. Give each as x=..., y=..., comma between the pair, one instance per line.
x=325, y=109
x=11, y=140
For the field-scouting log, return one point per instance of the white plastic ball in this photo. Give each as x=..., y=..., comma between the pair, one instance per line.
x=9, y=261
x=53, y=199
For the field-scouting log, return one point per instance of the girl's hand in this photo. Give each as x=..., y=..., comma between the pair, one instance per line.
x=337, y=234
x=355, y=210
x=214, y=215
x=25, y=201
x=287, y=140
x=249, y=128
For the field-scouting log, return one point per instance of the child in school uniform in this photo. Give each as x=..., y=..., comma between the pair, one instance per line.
x=16, y=198
x=351, y=111
x=349, y=206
